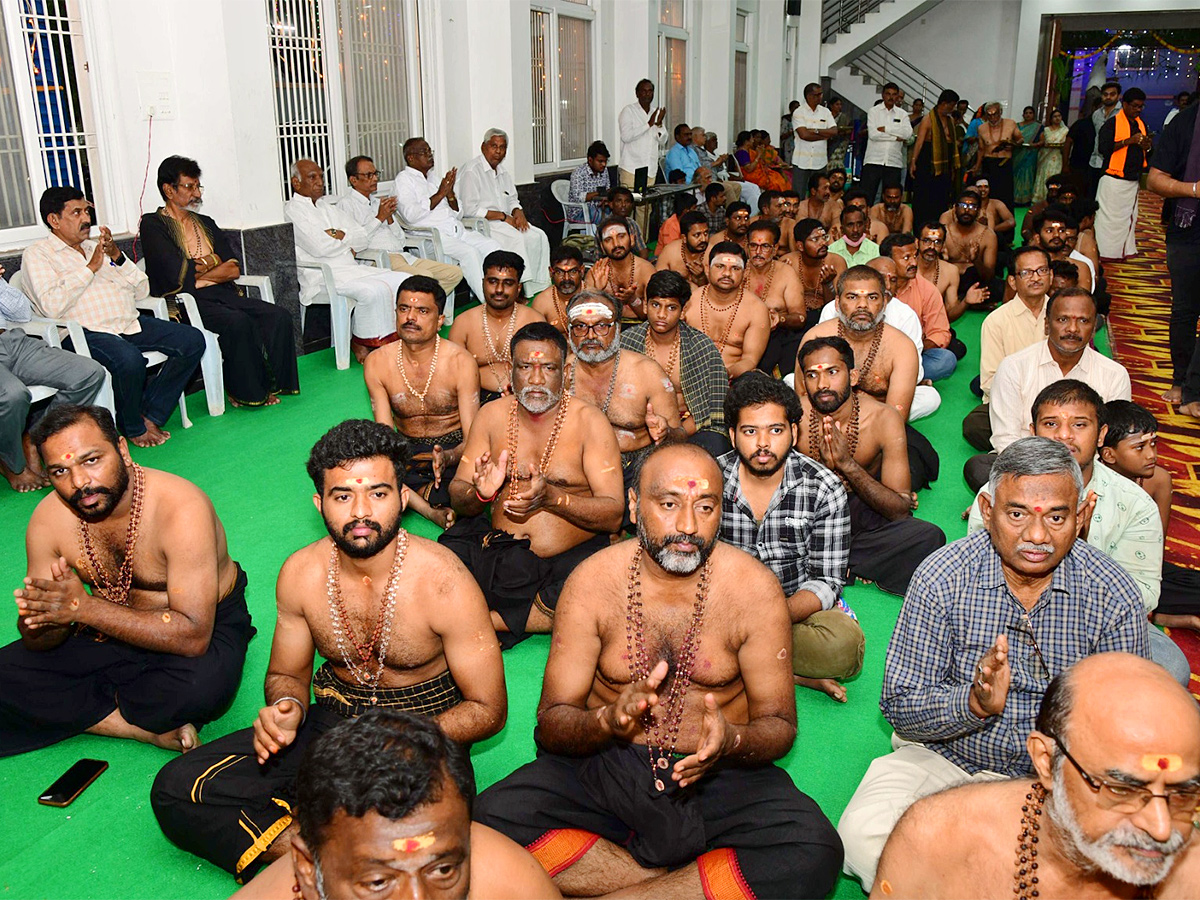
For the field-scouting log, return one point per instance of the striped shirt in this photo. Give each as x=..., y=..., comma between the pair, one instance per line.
x=957, y=604
x=804, y=535
x=63, y=287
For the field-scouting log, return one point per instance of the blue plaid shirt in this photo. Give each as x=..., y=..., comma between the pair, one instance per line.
x=804, y=536
x=956, y=605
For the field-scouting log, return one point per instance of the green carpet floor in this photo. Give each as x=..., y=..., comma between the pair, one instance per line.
x=251, y=463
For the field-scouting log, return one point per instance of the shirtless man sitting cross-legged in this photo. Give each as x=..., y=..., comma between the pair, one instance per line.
x=425, y=647
x=566, y=279
x=156, y=649
x=622, y=273
x=550, y=470
x=667, y=695
x=485, y=331
x=775, y=283
x=736, y=320
x=435, y=405
x=686, y=255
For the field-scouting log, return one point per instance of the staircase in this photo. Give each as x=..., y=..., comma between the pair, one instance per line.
x=855, y=57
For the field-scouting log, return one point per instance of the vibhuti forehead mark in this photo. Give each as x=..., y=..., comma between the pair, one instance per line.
x=415, y=844
x=731, y=260
x=821, y=367
x=611, y=228
x=537, y=354
x=590, y=308
x=67, y=457
x=1162, y=762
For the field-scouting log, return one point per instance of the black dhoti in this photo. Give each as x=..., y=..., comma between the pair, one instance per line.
x=47, y=696
x=419, y=475
x=220, y=804
x=888, y=552
x=750, y=831
x=513, y=578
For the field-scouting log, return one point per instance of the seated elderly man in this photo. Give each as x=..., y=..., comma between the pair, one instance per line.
x=1066, y=352
x=725, y=169
x=713, y=167
x=1112, y=736
x=1121, y=518
x=378, y=219
x=488, y=191
x=538, y=488
x=590, y=183
x=686, y=801
x=790, y=513
x=385, y=799
x=688, y=357
x=71, y=276
x=325, y=234
x=987, y=622
x=25, y=361
x=425, y=201
x=187, y=253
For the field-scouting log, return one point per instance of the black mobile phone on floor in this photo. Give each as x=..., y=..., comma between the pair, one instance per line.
x=73, y=782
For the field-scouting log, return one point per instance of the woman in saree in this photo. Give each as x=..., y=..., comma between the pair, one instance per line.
x=1025, y=157
x=1050, y=156
x=754, y=166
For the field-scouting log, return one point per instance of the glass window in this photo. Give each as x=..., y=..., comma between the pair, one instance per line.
x=740, y=64
x=674, y=80
x=297, y=50
x=16, y=198
x=560, y=47
x=375, y=82
x=671, y=12
x=739, y=28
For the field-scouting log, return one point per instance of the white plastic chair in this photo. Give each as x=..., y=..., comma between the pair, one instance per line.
x=47, y=330
x=340, y=309
x=583, y=211
x=156, y=306
x=212, y=362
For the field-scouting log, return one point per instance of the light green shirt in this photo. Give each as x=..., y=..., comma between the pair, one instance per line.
x=867, y=251
x=1125, y=525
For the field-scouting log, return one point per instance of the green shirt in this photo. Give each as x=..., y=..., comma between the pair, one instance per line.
x=867, y=251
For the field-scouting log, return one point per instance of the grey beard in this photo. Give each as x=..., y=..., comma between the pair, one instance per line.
x=538, y=407
x=1098, y=855
x=857, y=327
x=598, y=356
x=195, y=205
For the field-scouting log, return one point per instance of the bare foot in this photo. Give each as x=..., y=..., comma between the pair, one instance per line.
x=1174, y=395
x=25, y=481
x=442, y=516
x=183, y=739
x=361, y=351
x=1169, y=621
x=1191, y=409
x=828, y=686
x=153, y=436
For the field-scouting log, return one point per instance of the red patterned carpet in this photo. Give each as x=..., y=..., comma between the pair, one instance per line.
x=1141, y=307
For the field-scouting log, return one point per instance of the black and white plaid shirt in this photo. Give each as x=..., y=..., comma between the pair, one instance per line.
x=804, y=536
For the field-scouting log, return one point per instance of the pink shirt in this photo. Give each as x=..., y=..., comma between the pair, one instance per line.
x=923, y=297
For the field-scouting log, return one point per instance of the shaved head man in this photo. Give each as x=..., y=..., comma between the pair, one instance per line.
x=1116, y=756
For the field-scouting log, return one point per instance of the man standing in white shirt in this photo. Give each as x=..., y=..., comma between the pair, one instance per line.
x=888, y=131
x=642, y=138
x=814, y=126
x=423, y=201
x=488, y=191
x=376, y=216
x=325, y=234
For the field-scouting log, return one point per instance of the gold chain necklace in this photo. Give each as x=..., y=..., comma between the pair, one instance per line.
x=649, y=349
x=547, y=453
x=420, y=395
x=501, y=356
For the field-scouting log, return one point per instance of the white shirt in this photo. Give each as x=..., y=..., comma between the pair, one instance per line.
x=1172, y=114
x=1079, y=257
x=883, y=148
x=380, y=235
x=640, y=142
x=482, y=189
x=811, y=154
x=310, y=222
x=1021, y=376
x=413, y=191
x=900, y=316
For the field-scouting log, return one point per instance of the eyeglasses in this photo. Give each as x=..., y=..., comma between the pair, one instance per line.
x=1043, y=271
x=600, y=329
x=1026, y=637
x=967, y=205
x=184, y=186
x=367, y=175
x=1182, y=803
x=933, y=242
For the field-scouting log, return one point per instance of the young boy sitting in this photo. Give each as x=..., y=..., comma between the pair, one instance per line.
x=1131, y=449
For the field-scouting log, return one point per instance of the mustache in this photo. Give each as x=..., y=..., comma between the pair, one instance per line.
x=370, y=523
x=1028, y=547
x=76, y=498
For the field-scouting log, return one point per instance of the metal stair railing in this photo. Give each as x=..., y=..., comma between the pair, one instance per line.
x=882, y=64
x=839, y=16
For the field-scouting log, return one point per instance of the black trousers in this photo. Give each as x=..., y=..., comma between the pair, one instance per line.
x=888, y=552
x=50, y=695
x=781, y=842
x=257, y=343
x=782, y=347
x=1183, y=262
x=874, y=175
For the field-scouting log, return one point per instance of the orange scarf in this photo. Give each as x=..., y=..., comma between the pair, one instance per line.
x=1116, y=162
